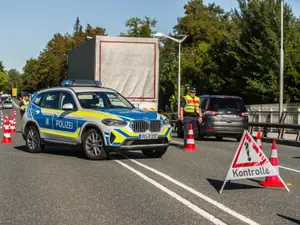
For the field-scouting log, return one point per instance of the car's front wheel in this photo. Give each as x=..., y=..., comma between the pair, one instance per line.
x=33, y=140
x=93, y=145
x=155, y=153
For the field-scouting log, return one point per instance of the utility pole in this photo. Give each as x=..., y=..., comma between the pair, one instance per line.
x=281, y=65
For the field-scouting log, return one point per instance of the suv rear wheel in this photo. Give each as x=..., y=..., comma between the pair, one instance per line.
x=93, y=145
x=33, y=140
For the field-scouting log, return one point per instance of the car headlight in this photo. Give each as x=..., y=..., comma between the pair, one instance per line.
x=113, y=122
x=166, y=121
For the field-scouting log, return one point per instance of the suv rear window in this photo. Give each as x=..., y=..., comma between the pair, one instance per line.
x=216, y=104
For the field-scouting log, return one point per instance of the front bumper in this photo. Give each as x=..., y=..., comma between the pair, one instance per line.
x=123, y=140
x=136, y=144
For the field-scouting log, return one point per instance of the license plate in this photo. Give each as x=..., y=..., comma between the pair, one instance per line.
x=229, y=116
x=148, y=136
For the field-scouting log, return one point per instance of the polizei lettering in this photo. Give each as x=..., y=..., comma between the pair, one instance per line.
x=250, y=172
x=64, y=124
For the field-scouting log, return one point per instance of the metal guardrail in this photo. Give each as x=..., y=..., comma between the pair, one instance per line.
x=266, y=128
x=282, y=127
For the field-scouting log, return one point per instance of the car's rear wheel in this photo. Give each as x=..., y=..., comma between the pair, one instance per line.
x=33, y=140
x=155, y=153
x=93, y=145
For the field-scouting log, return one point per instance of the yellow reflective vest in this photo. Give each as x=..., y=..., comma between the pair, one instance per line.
x=23, y=107
x=192, y=105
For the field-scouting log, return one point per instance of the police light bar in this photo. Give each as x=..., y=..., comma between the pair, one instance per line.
x=81, y=83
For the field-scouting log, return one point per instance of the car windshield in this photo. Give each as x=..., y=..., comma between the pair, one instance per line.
x=220, y=104
x=102, y=100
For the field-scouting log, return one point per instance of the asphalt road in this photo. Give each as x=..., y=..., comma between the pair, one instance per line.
x=60, y=186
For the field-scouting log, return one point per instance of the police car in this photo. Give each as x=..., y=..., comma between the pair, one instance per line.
x=82, y=112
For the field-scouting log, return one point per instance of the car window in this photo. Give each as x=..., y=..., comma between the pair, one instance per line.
x=50, y=101
x=38, y=99
x=66, y=98
x=203, y=103
x=104, y=100
x=219, y=104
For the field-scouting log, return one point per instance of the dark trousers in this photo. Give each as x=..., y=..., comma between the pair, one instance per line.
x=186, y=121
x=22, y=113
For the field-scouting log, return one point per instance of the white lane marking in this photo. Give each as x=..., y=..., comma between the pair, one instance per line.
x=187, y=203
x=15, y=104
x=283, y=167
x=193, y=191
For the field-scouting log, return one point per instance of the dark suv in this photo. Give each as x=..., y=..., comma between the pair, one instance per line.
x=223, y=116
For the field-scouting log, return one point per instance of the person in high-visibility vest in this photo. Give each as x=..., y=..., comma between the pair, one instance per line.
x=190, y=112
x=23, y=104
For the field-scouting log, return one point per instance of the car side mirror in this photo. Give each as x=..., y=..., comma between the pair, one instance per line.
x=68, y=106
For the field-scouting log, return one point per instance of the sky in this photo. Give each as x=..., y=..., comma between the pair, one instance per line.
x=27, y=26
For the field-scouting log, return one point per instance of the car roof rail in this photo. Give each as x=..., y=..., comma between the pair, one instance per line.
x=81, y=83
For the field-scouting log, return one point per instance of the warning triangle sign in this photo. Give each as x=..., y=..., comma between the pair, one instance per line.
x=250, y=161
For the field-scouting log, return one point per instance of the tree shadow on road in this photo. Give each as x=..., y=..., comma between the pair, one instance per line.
x=296, y=221
x=177, y=146
x=217, y=184
x=59, y=151
x=130, y=155
x=79, y=153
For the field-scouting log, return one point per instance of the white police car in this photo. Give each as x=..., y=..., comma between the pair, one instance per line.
x=81, y=112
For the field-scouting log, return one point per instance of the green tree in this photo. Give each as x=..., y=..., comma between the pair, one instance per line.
x=257, y=46
x=206, y=27
x=138, y=27
x=202, y=22
x=1, y=67
x=92, y=32
x=14, y=80
x=31, y=79
x=3, y=80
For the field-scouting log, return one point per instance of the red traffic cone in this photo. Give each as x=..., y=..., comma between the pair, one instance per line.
x=273, y=181
x=15, y=113
x=12, y=125
x=190, y=143
x=258, y=139
x=6, y=137
x=4, y=123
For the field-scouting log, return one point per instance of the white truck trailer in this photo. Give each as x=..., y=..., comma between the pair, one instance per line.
x=129, y=65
